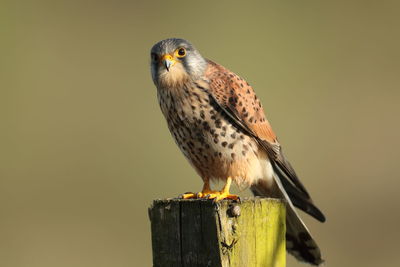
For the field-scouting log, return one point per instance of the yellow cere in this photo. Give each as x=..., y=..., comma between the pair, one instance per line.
x=167, y=57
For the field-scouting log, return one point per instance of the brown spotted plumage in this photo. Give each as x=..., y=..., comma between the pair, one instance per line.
x=219, y=125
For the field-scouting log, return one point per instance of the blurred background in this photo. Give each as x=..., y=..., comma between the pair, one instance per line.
x=84, y=148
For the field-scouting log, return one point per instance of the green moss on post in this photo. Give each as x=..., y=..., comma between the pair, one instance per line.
x=223, y=234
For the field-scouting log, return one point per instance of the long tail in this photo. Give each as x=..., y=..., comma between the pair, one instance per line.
x=299, y=241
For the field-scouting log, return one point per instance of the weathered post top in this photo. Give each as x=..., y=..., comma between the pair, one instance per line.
x=250, y=233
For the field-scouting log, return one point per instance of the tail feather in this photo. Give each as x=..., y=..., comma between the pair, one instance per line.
x=299, y=241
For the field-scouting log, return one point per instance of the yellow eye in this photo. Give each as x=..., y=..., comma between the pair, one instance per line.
x=181, y=52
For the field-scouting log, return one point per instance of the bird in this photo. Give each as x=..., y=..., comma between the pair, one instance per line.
x=219, y=124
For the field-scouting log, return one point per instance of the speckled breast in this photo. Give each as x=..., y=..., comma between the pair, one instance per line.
x=215, y=147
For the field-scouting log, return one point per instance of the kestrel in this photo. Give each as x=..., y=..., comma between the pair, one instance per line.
x=219, y=125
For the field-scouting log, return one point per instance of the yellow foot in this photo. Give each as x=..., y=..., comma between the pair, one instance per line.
x=202, y=194
x=207, y=193
x=188, y=195
x=217, y=196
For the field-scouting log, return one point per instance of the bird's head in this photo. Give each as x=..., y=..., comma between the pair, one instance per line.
x=174, y=61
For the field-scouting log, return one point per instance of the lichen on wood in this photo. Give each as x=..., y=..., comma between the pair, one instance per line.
x=223, y=234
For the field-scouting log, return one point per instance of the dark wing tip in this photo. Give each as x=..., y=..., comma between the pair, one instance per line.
x=316, y=213
x=308, y=207
x=298, y=197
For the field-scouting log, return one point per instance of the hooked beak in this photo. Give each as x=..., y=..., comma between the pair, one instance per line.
x=168, y=61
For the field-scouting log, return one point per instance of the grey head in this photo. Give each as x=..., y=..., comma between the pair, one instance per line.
x=173, y=60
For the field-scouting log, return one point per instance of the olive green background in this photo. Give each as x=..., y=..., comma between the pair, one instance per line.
x=84, y=148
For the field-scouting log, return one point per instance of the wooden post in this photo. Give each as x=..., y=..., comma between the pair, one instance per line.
x=223, y=234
